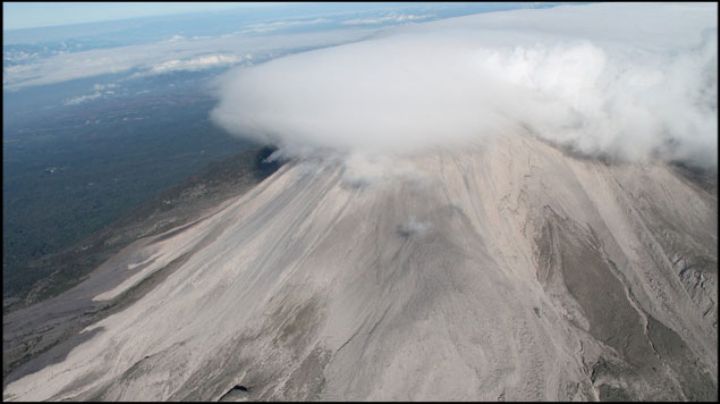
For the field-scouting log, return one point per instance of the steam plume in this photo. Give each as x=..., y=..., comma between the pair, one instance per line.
x=633, y=81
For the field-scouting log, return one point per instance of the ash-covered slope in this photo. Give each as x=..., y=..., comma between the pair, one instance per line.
x=506, y=271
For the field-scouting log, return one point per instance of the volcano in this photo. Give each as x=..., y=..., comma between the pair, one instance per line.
x=511, y=270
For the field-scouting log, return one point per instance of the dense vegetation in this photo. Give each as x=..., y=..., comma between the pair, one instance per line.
x=73, y=170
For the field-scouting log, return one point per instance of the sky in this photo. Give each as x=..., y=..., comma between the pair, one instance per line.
x=19, y=15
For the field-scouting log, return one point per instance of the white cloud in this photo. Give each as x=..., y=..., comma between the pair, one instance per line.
x=100, y=90
x=264, y=27
x=195, y=63
x=397, y=18
x=101, y=87
x=363, y=170
x=97, y=62
x=629, y=80
x=82, y=99
x=413, y=227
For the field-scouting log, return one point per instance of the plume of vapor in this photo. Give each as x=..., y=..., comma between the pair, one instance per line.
x=630, y=81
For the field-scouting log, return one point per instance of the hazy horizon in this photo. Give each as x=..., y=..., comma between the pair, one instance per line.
x=30, y=15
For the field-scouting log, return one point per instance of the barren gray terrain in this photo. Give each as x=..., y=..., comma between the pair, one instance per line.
x=506, y=271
